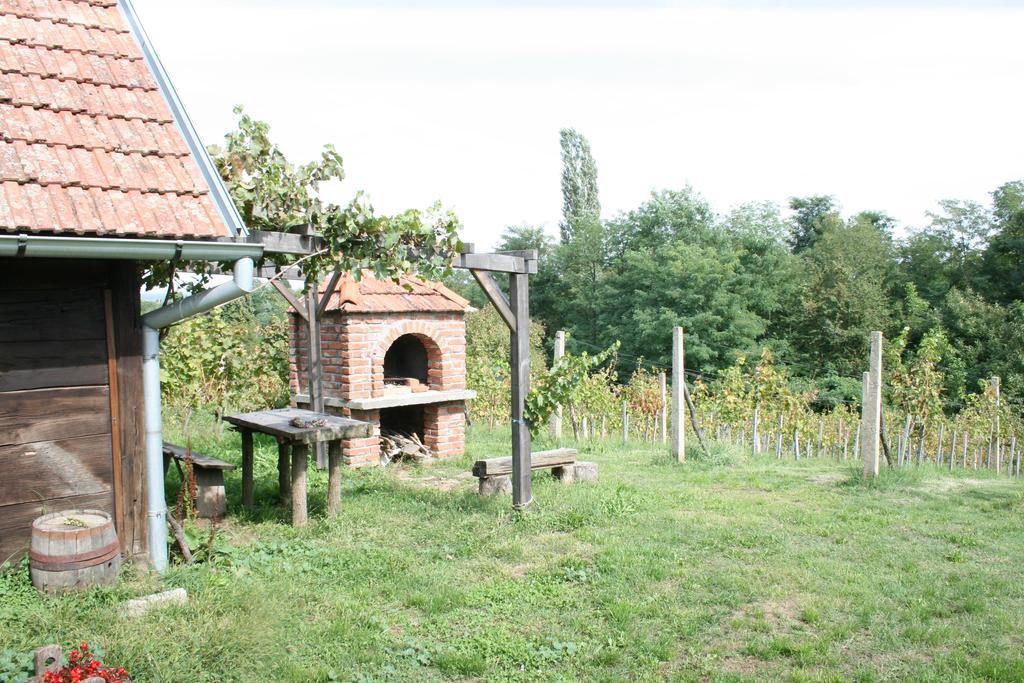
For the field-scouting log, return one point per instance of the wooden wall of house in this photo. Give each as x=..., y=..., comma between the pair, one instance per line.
x=71, y=421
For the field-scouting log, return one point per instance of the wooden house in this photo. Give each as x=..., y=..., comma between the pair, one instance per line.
x=101, y=176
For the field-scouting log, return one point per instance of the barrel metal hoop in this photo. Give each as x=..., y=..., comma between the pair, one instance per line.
x=61, y=563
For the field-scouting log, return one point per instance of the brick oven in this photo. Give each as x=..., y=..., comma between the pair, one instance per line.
x=394, y=355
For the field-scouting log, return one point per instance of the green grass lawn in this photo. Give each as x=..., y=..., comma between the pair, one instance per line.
x=725, y=569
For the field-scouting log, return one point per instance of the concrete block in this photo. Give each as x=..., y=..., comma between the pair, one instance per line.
x=491, y=486
x=585, y=471
x=140, y=606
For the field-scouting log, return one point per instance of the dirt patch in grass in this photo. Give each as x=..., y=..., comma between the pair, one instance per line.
x=426, y=480
x=947, y=484
x=828, y=478
x=744, y=665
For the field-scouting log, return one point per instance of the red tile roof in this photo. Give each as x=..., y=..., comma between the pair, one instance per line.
x=409, y=294
x=88, y=144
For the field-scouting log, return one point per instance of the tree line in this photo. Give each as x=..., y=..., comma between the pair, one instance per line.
x=808, y=283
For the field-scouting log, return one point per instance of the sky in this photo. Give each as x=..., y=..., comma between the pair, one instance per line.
x=888, y=106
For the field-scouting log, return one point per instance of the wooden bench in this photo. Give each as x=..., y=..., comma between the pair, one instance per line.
x=495, y=474
x=209, y=473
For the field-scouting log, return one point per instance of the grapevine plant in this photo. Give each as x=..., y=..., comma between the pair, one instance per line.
x=273, y=194
x=563, y=385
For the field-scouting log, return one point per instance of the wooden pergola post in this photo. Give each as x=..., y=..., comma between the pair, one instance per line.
x=522, y=489
x=515, y=311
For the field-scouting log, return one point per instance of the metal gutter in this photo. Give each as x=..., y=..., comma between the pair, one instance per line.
x=225, y=207
x=47, y=246
x=152, y=322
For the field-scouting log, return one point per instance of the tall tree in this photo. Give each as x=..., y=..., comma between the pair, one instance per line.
x=845, y=294
x=812, y=217
x=580, y=204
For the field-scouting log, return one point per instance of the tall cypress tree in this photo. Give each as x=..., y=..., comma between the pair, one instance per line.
x=580, y=205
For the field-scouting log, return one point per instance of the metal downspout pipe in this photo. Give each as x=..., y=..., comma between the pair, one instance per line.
x=152, y=323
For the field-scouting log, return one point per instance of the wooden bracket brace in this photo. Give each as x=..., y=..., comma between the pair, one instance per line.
x=321, y=306
x=288, y=294
x=496, y=296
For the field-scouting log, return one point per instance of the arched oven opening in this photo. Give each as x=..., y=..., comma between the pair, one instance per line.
x=405, y=366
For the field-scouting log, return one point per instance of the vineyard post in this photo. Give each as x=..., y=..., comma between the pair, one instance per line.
x=999, y=440
x=872, y=408
x=920, y=444
x=942, y=434
x=754, y=427
x=1013, y=452
x=905, y=441
x=556, y=417
x=778, y=438
x=967, y=439
x=821, y=433
x=678, y=387
x=625, y=421
x=664, y=406
x=952, y=449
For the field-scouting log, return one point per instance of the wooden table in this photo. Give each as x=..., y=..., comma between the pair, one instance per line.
x=278, y=423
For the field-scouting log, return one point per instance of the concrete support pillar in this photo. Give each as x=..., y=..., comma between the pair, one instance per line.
x=871, y=409
x=678, y=400
x=556, y=417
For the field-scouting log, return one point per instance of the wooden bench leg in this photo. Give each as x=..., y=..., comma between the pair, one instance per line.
x=300, y=463
x=211, y=503
x=334, y=479
x=284, y=473
x=247, y=469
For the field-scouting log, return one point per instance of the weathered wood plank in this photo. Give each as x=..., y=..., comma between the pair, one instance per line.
x=16, y=520
x=44, y=364
x=278, y=242
x=54, y=469
x=494, y=467
x=500, y=263
x=198, y=458
x=49, y=315
x=49, y=414
x=277, y=423
x=124, y=285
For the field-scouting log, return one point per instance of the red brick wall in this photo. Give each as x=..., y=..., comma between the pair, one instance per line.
x=353, y=348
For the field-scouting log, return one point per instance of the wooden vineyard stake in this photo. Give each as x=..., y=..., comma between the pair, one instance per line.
x=663, y=413
x=942, y=433
x=625, y=421
x=998, y=436
x=755, y=423
x=778, y=439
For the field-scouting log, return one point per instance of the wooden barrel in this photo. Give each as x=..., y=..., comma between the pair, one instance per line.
x=74, y=549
